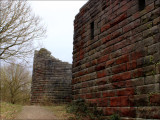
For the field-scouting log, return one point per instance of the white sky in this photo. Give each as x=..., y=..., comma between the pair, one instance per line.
x=58, y=16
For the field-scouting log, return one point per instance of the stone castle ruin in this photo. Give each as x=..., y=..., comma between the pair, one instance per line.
x=116, y=60
x=116, y=57
x=51, y=79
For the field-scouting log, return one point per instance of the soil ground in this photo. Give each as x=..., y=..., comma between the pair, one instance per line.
x=35, y=113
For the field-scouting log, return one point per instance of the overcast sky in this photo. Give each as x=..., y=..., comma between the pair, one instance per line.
x=58, y=16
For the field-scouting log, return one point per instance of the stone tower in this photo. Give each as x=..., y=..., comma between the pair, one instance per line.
x=116, y=57
x=51, y=78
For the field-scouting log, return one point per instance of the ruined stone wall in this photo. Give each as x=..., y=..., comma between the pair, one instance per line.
x=51, y=79
x=116, y=57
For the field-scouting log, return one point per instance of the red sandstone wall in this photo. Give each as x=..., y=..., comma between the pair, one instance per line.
x=119, y=69
x=51, y=80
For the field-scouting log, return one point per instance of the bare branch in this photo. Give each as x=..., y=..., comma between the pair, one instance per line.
x=15, y=82
x=19, y=27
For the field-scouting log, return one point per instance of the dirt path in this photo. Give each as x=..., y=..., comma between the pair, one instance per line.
x=35, y=112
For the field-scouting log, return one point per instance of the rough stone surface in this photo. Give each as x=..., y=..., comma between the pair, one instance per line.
x=116, y=61
x=51, y=80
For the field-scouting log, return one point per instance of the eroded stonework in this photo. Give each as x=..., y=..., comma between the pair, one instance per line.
x=51, y=79
x=116, y=57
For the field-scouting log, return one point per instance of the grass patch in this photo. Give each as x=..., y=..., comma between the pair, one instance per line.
x=8, y=110
x=59, y=111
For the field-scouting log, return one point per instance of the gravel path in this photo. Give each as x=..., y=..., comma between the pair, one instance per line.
x=35, y=113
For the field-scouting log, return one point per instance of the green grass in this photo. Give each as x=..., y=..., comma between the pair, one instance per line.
x=8, y=110
x=59, y=110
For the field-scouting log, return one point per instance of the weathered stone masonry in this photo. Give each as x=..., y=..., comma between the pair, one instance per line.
x=116, y=57
x=51, y=78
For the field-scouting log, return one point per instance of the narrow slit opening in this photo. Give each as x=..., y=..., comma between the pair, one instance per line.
x=92, y=30
x=142, y=4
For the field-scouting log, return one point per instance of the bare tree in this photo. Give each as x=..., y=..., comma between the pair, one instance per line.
x=15, y=83
x=19, y=27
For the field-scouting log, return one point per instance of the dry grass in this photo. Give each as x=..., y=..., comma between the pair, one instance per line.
x=59, y=110
x=8, y=110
